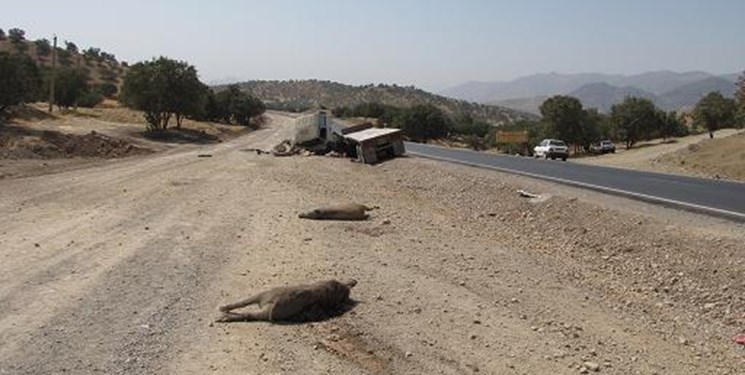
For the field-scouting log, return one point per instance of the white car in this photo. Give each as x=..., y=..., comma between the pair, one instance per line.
x=551, y=148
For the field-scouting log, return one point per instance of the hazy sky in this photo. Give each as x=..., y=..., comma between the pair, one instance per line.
x=430, y=44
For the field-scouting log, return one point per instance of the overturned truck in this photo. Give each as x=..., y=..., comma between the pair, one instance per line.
x=365, y=143
x=374, y=144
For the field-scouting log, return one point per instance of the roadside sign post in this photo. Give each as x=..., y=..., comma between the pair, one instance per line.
x=513, y=138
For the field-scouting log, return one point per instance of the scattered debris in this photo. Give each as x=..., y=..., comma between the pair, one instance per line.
x=256, y=150
x=526, y=194
x=592, y=366
x=286, y=148
x=335, y=154
x=739, y=339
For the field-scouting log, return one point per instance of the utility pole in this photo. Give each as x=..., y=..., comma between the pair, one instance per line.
x=77, y=72
x=54, y=74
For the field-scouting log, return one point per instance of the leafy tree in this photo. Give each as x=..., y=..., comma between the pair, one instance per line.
x=714, y=111
x=63, y=57
x=69, y=86
x=107, y=89
x=2, y=35
x=108, y=57
x=594, y=128
x=740, y=97
x=464, y=124
x=18, y=38
x=634, y=119
x=90, y=99
x=422, y=122
x=71, y=47
x=16, y=35
x=92, y=53
x=234, y=105
x=565, y=115
x=670, y=125
x=163, y=88
x=43, y=47
x=20, y=80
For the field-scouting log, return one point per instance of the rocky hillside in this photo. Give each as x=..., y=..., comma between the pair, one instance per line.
x=102, y=67
x=307, y=94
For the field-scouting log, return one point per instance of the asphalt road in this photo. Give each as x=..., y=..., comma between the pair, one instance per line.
x=719, y=198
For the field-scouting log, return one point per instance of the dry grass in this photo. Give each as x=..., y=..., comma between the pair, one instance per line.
x=723, y=157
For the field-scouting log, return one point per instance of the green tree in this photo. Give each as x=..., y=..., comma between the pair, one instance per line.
x=63, y=57
x=108, y=57
x=90, y=99
x=20, y=80
x=594, y=127
x=2, y=35
x=106, y=89
x=714, y=112
x=565, y=115
x=162, y=88
x=69, y=86
x=71, y=47
x=740, y=97
x=92, y=53
x=18, y=38
x=634, y=119
x=16, y=35
x=43, y=47
x=670, y=125
x=234, y=105
x=422, y=122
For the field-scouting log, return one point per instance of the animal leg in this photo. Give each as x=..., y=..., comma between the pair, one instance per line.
x=228, y=317
x=243, y=303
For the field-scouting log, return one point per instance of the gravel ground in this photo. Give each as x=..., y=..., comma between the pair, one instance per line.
x=119, y=268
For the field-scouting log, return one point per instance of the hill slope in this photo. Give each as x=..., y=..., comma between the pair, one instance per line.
x=315, y=94
x=603, y=96
x=101, y=67
x=688, y=95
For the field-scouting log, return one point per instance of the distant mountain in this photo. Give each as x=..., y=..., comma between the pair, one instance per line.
x=529, y=86
x=660, y=82
x=603, y=96
x=301, y=94
x=593, y=95
x=687, y=96
x=529, y=105
x=669, y=90
x=731, y=77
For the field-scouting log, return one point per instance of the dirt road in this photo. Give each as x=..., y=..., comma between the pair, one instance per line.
x=118, y=268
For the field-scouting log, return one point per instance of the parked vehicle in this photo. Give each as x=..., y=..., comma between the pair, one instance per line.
x=551, y=148
x=603, y=147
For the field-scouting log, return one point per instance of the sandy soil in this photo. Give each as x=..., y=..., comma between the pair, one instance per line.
x=722, y=156
x=118, y=268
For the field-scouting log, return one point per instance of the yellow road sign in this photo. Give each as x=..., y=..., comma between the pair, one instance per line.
x=512, y=137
